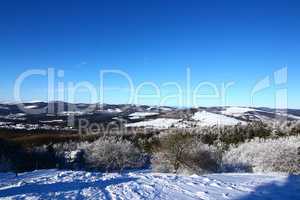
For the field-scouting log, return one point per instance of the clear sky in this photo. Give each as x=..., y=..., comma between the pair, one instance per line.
x=152, y=41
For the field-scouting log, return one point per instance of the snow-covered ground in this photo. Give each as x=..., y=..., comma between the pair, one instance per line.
x=53, y=184
x=202, y=118
x=138, y=115
x=30, y=107
x=237, y=111
x=210, y=119
x=67, y=113
x=116, y=110
x=159, y=123
x=4, y=107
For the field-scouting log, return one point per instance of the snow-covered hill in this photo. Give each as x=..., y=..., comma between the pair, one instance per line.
x=205, y=118
x=237, y=111
x=159, y=123
x=53, y=184
x=42, y=115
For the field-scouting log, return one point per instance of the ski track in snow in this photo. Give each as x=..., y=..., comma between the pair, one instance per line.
x=55, y=184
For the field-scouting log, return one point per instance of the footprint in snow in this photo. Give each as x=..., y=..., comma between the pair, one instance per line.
x=225, y=195
x=191, y=183
x=206, y=180
x=214, y=184
x=203, y=195
x=230, y=188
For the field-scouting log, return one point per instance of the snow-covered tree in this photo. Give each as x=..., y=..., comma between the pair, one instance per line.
x=270, y=155
x=184, y=153
x=113, y=154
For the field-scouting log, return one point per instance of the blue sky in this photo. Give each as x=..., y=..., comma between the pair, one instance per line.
x=152, y=41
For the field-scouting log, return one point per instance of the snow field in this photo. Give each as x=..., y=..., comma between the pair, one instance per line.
x=54, y=184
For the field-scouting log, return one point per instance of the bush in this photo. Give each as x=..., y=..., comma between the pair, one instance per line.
x=111, y=154
x=70, y=155
x=259, y=155
x=181, y=153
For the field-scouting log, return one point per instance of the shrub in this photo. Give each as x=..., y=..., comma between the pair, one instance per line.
x=111, y=154
x=183, y=153
x=70, y=155
x=260, y=155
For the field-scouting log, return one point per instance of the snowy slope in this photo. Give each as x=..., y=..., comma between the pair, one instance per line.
x=237, y=111
x=202, y=118
x=210, y=119
x=31, y=106
x=138, y=115
x=53, y=184
x=159, y=123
